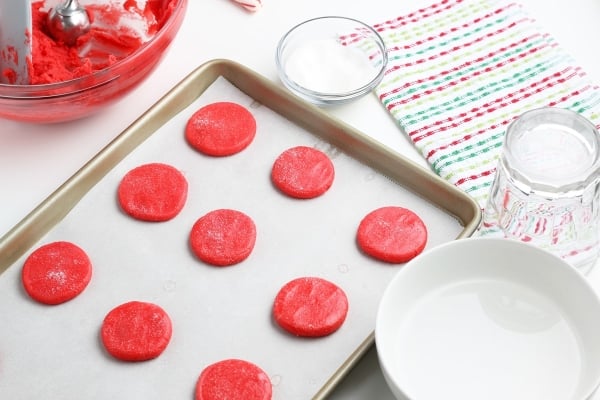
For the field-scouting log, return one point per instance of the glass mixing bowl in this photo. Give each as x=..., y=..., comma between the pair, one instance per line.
x=81, y=97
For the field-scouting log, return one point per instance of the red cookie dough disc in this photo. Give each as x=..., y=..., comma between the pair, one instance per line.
x=136, y=331
x=221, y=129
x=310, y=307
x=56, y=272
x=233, y=379
x=303, y=172
x=392, y=234
x=153, y=192
x=223, y=237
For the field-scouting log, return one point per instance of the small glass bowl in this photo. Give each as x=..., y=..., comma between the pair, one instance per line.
x=331, y=60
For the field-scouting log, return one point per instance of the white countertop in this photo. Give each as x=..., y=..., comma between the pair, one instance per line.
x=36, y=159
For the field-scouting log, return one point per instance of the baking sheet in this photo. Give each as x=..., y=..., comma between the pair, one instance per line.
x=217, y=313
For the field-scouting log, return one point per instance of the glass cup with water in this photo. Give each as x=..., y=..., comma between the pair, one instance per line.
x=546, y=189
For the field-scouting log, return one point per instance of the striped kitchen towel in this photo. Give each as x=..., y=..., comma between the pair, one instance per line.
x=461, y=70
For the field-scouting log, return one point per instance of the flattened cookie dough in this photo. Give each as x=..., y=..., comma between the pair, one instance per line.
x=233, y=379
x=136, y=331
x=392, y=234
x=153, y=192
x=56, y=272
x=223, y=237
x=303, y=172
x=310, y=307
x=221, y=129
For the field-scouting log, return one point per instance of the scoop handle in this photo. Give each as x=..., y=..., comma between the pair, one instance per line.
x=15, y=41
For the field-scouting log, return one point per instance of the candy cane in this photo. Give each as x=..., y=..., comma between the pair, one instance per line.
x=249, y=5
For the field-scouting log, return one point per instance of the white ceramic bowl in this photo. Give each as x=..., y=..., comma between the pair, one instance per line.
x=485, y=318
x=331, y=60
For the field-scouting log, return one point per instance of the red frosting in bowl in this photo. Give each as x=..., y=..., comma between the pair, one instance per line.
x=108, y=41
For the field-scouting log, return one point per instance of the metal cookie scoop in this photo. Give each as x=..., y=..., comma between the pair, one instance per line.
x=67, y=22
x=15, y=41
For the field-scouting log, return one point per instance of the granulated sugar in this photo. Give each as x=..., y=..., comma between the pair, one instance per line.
x=327, y=66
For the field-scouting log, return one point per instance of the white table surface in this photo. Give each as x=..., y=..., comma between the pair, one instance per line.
x=36, y=159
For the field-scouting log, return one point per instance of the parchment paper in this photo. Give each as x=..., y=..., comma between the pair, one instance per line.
x=54, y=352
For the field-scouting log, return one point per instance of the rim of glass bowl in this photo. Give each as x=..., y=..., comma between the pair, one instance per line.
x=94, y=80
x=329, y=98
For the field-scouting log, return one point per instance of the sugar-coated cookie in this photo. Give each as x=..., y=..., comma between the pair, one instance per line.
x=56, y=272
x=303, y=172
x=392, y=234
x=136, y=331
x=221, y=129
x=233, y=379
x=310, y=307
x=223, y=237
x=153, y=192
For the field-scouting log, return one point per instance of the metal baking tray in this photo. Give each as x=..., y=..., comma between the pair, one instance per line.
x=84, y=210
